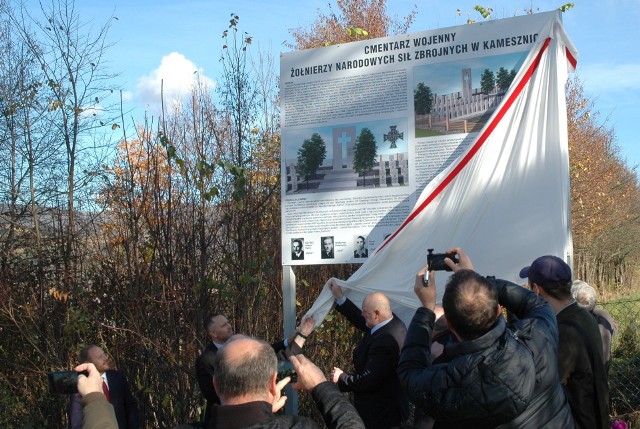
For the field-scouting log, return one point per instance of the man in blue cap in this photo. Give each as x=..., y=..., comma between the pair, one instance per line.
x=580, y=362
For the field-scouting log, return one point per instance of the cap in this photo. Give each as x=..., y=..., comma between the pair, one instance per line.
x=547, y=271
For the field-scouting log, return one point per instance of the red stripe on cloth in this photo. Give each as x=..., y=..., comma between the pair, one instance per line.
x=571, y=58
x=476, y=147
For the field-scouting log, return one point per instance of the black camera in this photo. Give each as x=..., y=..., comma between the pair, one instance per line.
x=436, y=260
x=64, y=382
x=285, y=369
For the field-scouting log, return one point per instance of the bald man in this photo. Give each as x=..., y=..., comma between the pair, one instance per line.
x=220, y=331
x=250, y=393
x=377, y=393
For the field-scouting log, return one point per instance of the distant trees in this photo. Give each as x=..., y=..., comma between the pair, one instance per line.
x=501, y=80
x=422, y=99
x=487, y=81
x=53, y=89
x=364, y=153
x=75, y=83
x=311, y=155
x=504, y=78
x=605, y=199
x=177, y=223
x=21, y=124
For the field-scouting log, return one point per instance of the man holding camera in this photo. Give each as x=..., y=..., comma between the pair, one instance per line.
x=114, y=386
x=377, y=394
x=220, y=331
x=495, y=374
x=97, y=412
x=246, y=382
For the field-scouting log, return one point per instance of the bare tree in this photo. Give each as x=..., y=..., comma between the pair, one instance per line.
x=70, y=55
x=52, y=83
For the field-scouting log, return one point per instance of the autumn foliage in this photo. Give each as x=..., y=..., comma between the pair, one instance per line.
x=605, y=199
x=182, y=218
x=342, y=26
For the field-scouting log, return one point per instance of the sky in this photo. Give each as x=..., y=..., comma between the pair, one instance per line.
x=171, y=39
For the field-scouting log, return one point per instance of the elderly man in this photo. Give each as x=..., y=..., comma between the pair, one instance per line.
x=377, y=394
x=247, y=384
x=219, y=330
x=587, y=298
x=491, y=374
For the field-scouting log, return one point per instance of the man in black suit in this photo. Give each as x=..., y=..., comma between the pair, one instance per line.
x=377, y=394
x=327, y=248
x=115, y=387
x=220, y=330
x=297, y=254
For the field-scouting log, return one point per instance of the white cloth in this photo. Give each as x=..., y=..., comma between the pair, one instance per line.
x=505, y=200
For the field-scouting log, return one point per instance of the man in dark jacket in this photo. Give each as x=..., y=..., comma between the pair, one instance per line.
x=587, y=298
x=246, y=382
x=377, y=394
x=220, y=330
x=580, y=362
x=115, y=387
x=97, y=412
x=495, y=375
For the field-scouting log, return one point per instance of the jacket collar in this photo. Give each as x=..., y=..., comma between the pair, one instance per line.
x=242, y=415
x=467, y=347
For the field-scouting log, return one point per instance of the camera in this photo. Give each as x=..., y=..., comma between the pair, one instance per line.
x=285, y=369
x=436, y=260
x=64, y=382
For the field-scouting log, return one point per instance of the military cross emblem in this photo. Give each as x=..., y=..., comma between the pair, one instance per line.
x=393, y=136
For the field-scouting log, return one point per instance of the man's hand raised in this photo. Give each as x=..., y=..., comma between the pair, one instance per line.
x=464, y=263
x=309, y=375
x=91, y=383
x=335, y=289
x=426, y=291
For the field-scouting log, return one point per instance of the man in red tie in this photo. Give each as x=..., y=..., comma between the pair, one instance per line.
x=114, y=386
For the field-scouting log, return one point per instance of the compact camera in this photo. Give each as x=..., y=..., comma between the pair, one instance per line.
x=64, y=382
x=285, y=369
x=436, y=260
